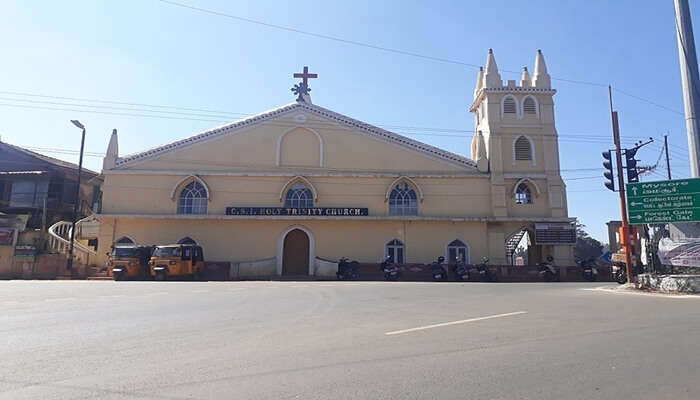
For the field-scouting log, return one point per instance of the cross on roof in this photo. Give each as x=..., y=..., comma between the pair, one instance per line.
x=305, y=76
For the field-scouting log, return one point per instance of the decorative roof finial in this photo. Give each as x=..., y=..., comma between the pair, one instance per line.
x=302, y=89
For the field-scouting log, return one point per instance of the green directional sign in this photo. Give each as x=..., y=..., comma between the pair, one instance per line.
x=664, y=201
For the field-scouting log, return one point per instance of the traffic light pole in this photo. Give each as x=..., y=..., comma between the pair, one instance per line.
x=621, y=183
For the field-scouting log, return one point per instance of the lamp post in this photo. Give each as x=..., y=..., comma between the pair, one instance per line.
x=76, y=202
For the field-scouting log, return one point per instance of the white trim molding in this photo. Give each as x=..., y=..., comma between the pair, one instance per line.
x=526, y=180
x=533, y=153
x=318, y=136
x=312, y=247
x=399, y=180
x=294, y=180
x=187, y=180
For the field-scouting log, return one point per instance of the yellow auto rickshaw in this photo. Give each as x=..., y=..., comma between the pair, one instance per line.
x=177, y=260
x=129, y=262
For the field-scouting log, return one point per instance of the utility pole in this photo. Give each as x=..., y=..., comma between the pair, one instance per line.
x=690, y=81
x=621, y=183
x=76, y=203
x=668, y=163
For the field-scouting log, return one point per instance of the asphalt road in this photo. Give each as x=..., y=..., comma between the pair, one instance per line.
x=329, y=340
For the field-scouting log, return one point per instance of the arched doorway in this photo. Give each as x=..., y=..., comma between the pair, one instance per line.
x=295, y=253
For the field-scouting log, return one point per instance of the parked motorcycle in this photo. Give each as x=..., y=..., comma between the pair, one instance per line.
x=588, y=270
x=460, y=270
x=483, y=273
x=390, y=270
x=619, y=273
x=546, y=270
x=438, y=270
x=347, y=270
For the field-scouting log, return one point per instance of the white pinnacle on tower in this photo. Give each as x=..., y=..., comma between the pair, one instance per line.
x=479, y=81
x=542, y=79
x=525, y=80
x=492, y=79
x=110, y=159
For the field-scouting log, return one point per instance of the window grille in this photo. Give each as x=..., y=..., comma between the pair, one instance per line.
x=299, y=196
x=403, y=200
x=509, y=106
x=529, y=106
x=523, y=149
x=193, y=199
x=523, y=194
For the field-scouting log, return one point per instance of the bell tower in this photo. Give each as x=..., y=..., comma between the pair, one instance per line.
x=516, y=140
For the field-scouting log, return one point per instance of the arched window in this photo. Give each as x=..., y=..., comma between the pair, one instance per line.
x=457, y=250
x=299, y=196
x=193, y=199
x=509, y=106
x=529, y=106
x=186, y=240
x=403, y=200
x=523, y=149
x=395, y=251
x=124, y=240
x=523, y=194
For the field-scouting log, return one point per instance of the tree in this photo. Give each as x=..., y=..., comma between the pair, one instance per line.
x=586, y=247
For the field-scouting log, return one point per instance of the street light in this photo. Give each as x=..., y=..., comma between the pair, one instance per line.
x=76, y=202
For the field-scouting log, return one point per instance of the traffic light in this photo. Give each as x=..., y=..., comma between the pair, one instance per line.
x=631, y=165
x=608, y=174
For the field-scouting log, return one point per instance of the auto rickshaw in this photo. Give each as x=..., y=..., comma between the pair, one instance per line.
x=177, y=260
x=129, y=262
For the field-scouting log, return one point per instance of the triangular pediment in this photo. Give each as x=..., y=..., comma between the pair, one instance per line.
x=298, y=135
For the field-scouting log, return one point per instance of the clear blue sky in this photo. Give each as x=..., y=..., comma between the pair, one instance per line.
x=150, y=52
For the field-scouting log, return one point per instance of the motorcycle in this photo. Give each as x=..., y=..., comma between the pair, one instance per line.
x=546, y=270
x=588, y=269
x=347, y=270
x=483, y=272
x=619, y=273
x=438, y=271
x=390, y=270
x=460, y=270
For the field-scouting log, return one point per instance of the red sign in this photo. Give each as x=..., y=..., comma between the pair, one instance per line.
x=6, y=236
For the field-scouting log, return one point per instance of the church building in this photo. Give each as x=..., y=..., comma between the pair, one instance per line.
x=291, y=190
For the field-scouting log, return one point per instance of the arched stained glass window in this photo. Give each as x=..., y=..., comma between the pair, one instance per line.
x=193, y=199
x=523, y=194
x=299, y=196
x=403, y=200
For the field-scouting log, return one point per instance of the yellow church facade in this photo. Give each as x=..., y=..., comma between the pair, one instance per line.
x=293, y=189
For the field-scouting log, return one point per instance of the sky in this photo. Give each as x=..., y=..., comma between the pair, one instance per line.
x=157, y=72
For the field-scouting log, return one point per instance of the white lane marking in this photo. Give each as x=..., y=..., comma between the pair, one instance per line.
x=327, y=285
x=464, y=321
x=200, y=291
x=236, y=289
x=641, y=293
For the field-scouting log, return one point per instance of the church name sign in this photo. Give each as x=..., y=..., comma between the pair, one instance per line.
x=314, y=211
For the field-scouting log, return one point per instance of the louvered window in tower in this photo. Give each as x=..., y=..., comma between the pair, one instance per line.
x=523, y=149
x=529, y=106
x=509, y=106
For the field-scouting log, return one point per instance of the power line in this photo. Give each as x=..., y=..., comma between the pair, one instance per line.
x=391, y=50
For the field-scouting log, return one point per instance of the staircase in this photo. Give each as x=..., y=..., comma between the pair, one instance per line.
x=59, y=242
